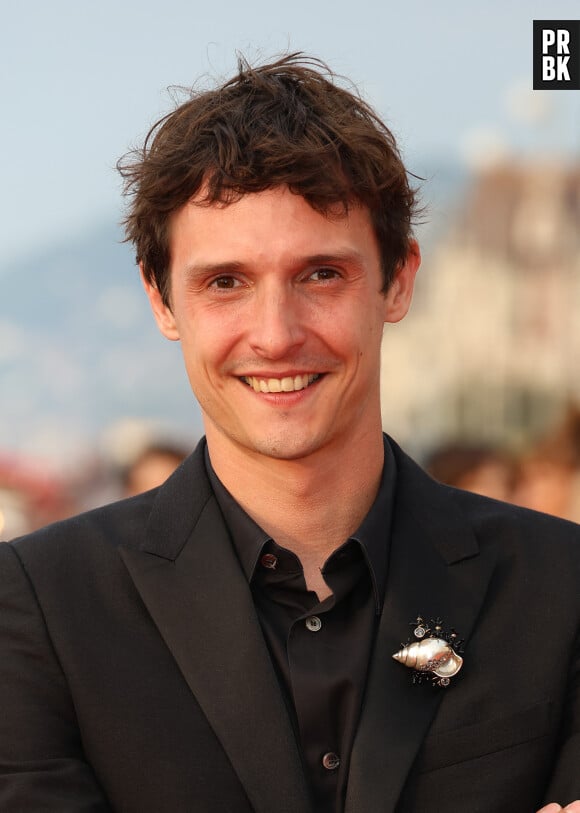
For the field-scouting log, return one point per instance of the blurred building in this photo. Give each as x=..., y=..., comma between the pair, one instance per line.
x=491, y=348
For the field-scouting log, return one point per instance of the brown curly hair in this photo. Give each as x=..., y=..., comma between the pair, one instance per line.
x=285, y=123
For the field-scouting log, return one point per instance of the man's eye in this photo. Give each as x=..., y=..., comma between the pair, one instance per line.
x=324, y=274
x=224, y=283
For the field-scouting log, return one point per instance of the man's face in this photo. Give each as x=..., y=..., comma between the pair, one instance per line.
x=280, y=317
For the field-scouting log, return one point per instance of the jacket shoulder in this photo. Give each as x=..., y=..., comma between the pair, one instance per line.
x=124, y=522
x=107, y=526
x=528, y=535
x=494, y=516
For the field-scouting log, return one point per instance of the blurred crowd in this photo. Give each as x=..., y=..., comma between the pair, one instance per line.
x=544, y=476
x=31, y=497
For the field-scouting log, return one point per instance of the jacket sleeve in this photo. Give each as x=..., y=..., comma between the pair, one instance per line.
x=42, y=765
x=564, y=786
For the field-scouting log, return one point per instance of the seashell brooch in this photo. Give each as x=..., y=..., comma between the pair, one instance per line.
x=434, y=654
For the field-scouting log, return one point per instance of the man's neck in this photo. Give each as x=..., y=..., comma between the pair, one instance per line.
x=311, y=505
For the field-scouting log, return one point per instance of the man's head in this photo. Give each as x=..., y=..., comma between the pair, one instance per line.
x=272, y=223
x=288, y=123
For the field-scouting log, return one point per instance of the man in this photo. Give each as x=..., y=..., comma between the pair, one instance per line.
x=225, y=642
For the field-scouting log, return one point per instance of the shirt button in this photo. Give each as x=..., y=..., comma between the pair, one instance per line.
x=331, y=761
x=313, y=623
x=269, y=561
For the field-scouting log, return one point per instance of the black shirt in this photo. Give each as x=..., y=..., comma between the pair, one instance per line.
x=320, y=650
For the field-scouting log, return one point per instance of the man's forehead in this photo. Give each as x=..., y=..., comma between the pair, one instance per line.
x=206, y=198
x=276, y=221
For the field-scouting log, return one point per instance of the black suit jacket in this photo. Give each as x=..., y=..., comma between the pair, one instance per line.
x=134, y=677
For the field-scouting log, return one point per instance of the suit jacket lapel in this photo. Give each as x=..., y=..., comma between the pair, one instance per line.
x=189, y=578
x=435, y=569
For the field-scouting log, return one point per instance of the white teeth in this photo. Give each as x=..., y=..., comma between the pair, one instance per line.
x=286, y=384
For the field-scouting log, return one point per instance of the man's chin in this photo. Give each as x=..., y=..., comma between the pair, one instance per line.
x=296, y=441
x=286, y=448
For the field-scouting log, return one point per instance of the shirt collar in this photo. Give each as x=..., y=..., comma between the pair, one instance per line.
x=373, y=534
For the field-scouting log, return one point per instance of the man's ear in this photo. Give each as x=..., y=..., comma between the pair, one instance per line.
x=398, y=297
x=162, y=312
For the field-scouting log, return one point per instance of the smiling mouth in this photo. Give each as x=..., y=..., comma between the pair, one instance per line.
x=286, y=384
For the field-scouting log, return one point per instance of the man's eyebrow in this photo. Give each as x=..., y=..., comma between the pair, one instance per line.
x=339, y=256
x=231, y=266
x=227, y=267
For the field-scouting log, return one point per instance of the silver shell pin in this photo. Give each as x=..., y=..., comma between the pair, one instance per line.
x=433, y=655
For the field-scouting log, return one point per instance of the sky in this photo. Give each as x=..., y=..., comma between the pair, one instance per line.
x=81, y=81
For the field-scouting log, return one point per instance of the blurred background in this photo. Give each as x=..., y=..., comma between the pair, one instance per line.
x=480, y=382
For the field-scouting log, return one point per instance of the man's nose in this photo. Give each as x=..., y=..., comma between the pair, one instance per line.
x=277, y=326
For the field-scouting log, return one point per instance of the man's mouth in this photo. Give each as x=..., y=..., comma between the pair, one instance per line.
x=286, y=384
